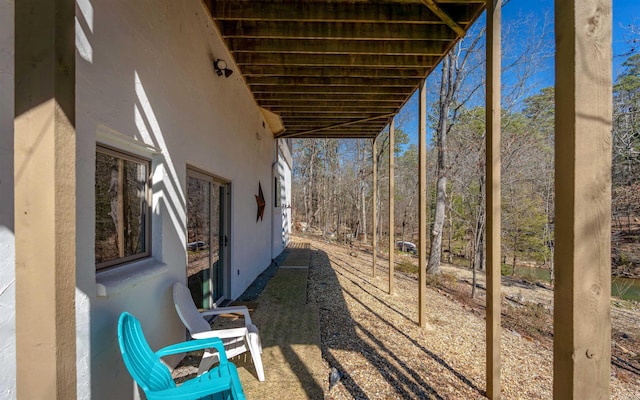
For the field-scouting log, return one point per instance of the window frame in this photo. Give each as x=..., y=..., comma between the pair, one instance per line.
x=127, y=156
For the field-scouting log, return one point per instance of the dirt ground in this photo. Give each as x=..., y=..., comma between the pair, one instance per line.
x=373, y=338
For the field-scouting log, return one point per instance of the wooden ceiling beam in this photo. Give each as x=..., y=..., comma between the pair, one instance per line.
x=304, y=128
x=369, y=128
x=332, y=81
x=340, y=132
x=303, y=97
x=382, y=90
x=364, y=119
x=452, y=22
x=326, y=119
x=314, y=113
x=359, y=46
x=351, y=129
x=337, y=118
x=298, y=125
x=337, y=135
x=331, y=109
x=356, y=127
x=334, y=30
x=233, y=10
x=273, y=105
x=337, y=60
x=323, y=119
x=249, y=71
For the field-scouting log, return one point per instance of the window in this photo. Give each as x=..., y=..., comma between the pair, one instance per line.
x=277, y=188
x=122, y=207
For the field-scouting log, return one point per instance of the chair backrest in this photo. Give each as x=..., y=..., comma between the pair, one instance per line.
x=187, y=310
x=143, y=364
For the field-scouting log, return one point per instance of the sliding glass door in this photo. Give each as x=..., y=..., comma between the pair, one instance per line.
x=207, y=238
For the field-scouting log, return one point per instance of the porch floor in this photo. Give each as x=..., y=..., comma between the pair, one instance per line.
x=290, y=333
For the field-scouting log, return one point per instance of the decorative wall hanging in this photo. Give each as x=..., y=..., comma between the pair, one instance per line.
x=261, y=202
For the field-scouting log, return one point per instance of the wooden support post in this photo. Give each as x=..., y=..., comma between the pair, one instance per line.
x=374, y=207
x=582, y=295
x=493, y=203
x=422, y=205
x=45, y=199
x=392, y=191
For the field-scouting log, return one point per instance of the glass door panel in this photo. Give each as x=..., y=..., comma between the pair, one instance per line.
x=217, y=237
x=206, y=238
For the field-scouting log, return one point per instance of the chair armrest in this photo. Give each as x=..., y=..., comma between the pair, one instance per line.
x=193, y=345
x=221, y=333
x=230, y=310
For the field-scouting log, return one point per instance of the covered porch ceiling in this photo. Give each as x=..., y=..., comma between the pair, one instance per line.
x=339, y=69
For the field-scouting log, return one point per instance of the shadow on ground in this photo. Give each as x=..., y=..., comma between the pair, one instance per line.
x=336, y=324
x=306, y=329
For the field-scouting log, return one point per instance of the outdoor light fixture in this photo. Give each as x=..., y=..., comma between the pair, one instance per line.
x=221, y=67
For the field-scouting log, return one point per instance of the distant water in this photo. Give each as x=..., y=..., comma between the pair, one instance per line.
x=625, y=288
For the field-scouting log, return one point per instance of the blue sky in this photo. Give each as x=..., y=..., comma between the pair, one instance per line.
x=625, y=13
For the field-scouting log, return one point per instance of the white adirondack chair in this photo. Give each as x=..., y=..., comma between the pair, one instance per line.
x=236, y=340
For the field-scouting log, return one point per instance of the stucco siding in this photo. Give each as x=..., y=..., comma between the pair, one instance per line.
x=282, y=214
x=145, y=85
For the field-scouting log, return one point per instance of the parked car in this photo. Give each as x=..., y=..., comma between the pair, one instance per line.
x=199, y=245
x=408, y=247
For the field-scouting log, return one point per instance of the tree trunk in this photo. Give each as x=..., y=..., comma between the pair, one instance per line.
x=305, y=200
x=446, y=97
x=474, y=279
x=438, y=224
x=481, y=246
x=363, y=208
x=361, y=194
x=450, y=233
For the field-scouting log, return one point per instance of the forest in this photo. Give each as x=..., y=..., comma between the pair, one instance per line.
x=332, y=189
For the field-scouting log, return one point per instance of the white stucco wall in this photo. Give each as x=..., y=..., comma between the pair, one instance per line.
x=145, y=85
x=287, y=184
x=144, y=76
x=7, y=241
x=282, y=215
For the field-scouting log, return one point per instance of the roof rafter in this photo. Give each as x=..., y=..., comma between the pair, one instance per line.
x=373, y=12
x=335, y=30
x=355, y=46
x=387, y=116
x=444, y=16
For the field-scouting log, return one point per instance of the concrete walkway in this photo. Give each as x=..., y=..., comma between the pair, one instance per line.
x=290, y=333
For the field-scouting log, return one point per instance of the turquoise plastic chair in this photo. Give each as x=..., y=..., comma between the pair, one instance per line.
x=220, y=383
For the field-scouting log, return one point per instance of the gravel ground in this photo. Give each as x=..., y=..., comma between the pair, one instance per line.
x=373, y=339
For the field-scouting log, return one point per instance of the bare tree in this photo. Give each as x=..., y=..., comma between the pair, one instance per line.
x=453, y=73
